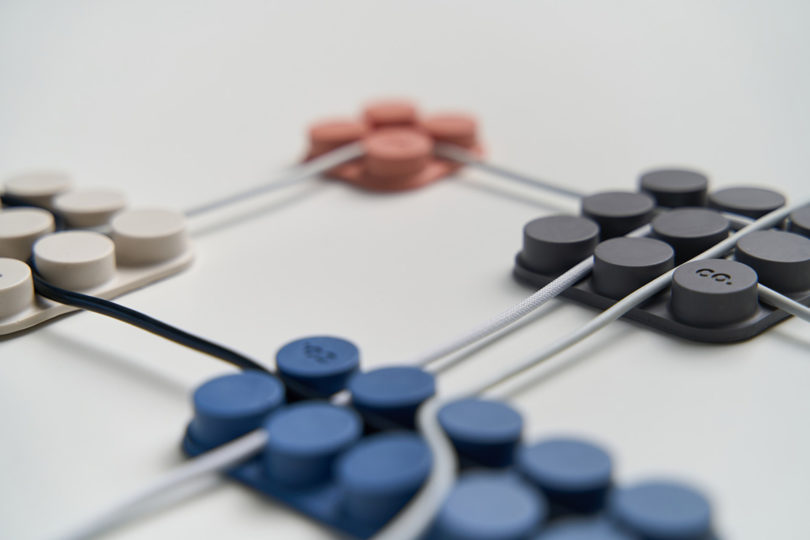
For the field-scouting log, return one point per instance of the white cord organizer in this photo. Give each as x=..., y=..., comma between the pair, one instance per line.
x=142, y=246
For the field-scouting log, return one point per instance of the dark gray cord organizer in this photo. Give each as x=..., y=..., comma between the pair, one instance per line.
x=712, y=300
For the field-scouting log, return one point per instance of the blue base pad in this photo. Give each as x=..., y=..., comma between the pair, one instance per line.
x=322, y=502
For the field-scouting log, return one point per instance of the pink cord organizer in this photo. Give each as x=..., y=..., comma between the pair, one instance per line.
x=398, y=145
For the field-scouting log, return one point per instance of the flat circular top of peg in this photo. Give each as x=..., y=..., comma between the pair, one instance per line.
x=776, y=246
x=490, y=506
x=481, y=421
x=19, y=229
x=562, y=230
x=146, y=236
x=38, y=184
x=330, y=134
x=675, y=187
x=781, y=259
x=715, y=276
x=690, y=231
x=634, y=253
x=661, y=510
x=618, y=212
x=318, y=356
x=690, y=223
x=800, y=221
x=396, y=152
x=231, y=405
x=13, y=272
x=386, y=463
x=89, y=207
x=622, y=265
x=617, y=204
x=17, y=222
x=394, y=112
x=312, y=428
x=553, y=244
x=584, y=529
x=713, y=292
x=320, y=365
x=454, y=128
x=748, y=201
x=566, y=464
x=148, y=223
x=337, y=131
x=238, y=395
x=75, y=259
x=72, y=248
x=392, y=387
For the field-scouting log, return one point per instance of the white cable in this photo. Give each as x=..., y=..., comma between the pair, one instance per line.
x=419, y=514
x=219, y=459
x=413, y=520
x=629, y=302
x=430, y=359
x=507, y=317
x=302, y=172
x=514, y=313
x=776, y=299
x=459, y=154
x=786, y=304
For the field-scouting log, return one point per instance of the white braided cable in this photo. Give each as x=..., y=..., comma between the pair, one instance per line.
x=217, y=460
x=623, y=306
x=506, y=318
x=514, y=313
x=297, y=174
x=786, y=304
x=414, y=521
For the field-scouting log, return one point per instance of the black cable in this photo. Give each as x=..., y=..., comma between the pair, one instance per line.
x=142, y=321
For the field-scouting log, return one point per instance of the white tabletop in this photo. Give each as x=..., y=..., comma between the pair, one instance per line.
x=180, y=102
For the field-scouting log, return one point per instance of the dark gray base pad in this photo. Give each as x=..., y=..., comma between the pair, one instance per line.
x=655, y=312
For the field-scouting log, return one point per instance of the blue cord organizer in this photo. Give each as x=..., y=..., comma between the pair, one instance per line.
x=352, y=468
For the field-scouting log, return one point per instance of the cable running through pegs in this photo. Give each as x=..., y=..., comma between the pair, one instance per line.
x=437, y=485
x=633, y=299
x=513, y=314
x=155, y=326
x=418, y=514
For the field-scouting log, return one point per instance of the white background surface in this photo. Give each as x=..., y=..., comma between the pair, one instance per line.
x=180, y=102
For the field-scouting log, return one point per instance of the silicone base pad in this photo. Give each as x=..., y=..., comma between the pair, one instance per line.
x=354, y=174
x=326, y=501
x=318, y=462
x=322, y=502
x=398, y=142
x=656, y=314
x=125, y=279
